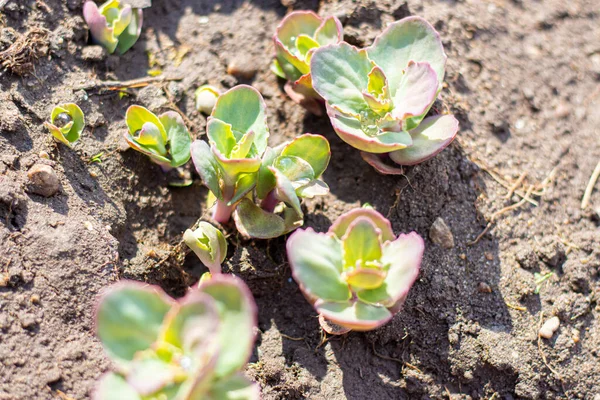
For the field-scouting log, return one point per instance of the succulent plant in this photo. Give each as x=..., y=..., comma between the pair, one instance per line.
x=206, y=98
x=358, y=274
x=114, y=25
x=239, y=168
x=66, y=123
x=193, y=348
x=297, y=37
x=165, y=138
x=378, y=98
x=209, y=244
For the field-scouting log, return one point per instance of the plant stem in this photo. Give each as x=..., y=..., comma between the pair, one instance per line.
x=269, y=202
x=222, y=212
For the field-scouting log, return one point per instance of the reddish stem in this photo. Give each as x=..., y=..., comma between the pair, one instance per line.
x=269, y=202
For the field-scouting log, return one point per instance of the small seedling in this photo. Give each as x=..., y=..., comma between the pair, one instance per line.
x=206, y=98
x=297, y=37
x=378, y=98
x=66, y=123
x=96, y=158
x=209, y=244
x=114, y=25
x=236, y=161
x=165, y=138
x=540, y=279
x=193, y=348
x=358, y=274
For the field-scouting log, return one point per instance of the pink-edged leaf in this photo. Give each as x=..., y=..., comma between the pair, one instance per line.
x=340, y=226
x=429, y=138
x=417, y=91
x=99, y=29
x=354, y=315
x=254, y=222
x=304, y=96
x=329, y=32
x=377, y=161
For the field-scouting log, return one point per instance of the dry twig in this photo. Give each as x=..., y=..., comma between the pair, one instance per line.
x=101, y=86
x=585, y=201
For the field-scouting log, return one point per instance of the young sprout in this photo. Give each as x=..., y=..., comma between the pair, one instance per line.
x=114, y=25
x=66, y=123
x=193, y=348
x=237, y=138
x=297, y=37
x=236, y=160
x=165, y=138
x=206, y=98
x=377, y=98
x=209, y=244
x=287, y=174
x=357, y=275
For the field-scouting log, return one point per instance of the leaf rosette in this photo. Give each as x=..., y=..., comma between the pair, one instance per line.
x=358, y=274
x=114, y=25
x=66, y=123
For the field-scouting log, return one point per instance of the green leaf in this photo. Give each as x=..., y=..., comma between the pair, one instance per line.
x=209, y=244
x=232, y=168
x=132, y=33
x=312, y=189
x=295, y=24
x=253, y=221
x=78, y=121
x=356, y=315
x=266, y=180
x=192, y=325
x=316, y=262
x=148, y=376
x=237, y=313
x=129, y=319
x=312, y=148
x=351, y=131
x=179, y=138
x=137, y=116
x=429, y=138
x=340, y=226
x=365, y=278
x=235, y=387
x=244, y=184
x=378, y=85
x=285, y=191
x=277, y=70
x=207, y=167
x=241, y=149
x=220, y=135
x=361, y=242
x=244, y=109
x=330, y=32
x=295, y=169
x=340, y=75
x=304, y=43
x=112, y=386
x=410, y=39
x=417, y=91
x=403, y=256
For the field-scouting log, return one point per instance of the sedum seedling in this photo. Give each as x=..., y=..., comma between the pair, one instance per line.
x=193, y=348
x=377, y=98
x=206, y=98
x=66, y=123
x=240, y=170
x=114, y=25
x=296, y=39
x=288, y=173
x=209, y=244
x=358, y=274
x=165, y=138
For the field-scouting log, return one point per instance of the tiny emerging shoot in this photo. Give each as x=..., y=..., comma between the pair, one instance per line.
x=165, y=138
x=539, y=280
x=194, y=348
x=378, y=98
x=240, y=170
x=66, y=123
x=296, y=39
x=358, y=274
x=209, y=244
x=206, y=98
x=114, y=25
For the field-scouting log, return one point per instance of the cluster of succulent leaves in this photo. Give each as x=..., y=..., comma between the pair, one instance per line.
x=377, y=98
x=66, y=123
x=209, y=244
x=240, y=170
x=296, y=39
x=114, y=25
x=357, y=275
x=164, y=138
x=191, y=349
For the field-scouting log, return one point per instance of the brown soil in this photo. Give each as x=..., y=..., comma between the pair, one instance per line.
x=523, y=79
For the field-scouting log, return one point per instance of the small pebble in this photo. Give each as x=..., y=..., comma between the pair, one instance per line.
x=440, y=234
x=93, y=53
x=241, y=70
x=93, y=174
x=550, y=326
x=483, y=287
x=34, y=299
x=562, y=110
x=44, y=154
x=43, y=180
x=575, y=335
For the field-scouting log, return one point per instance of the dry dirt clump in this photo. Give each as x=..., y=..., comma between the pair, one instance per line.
x=522, y=77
